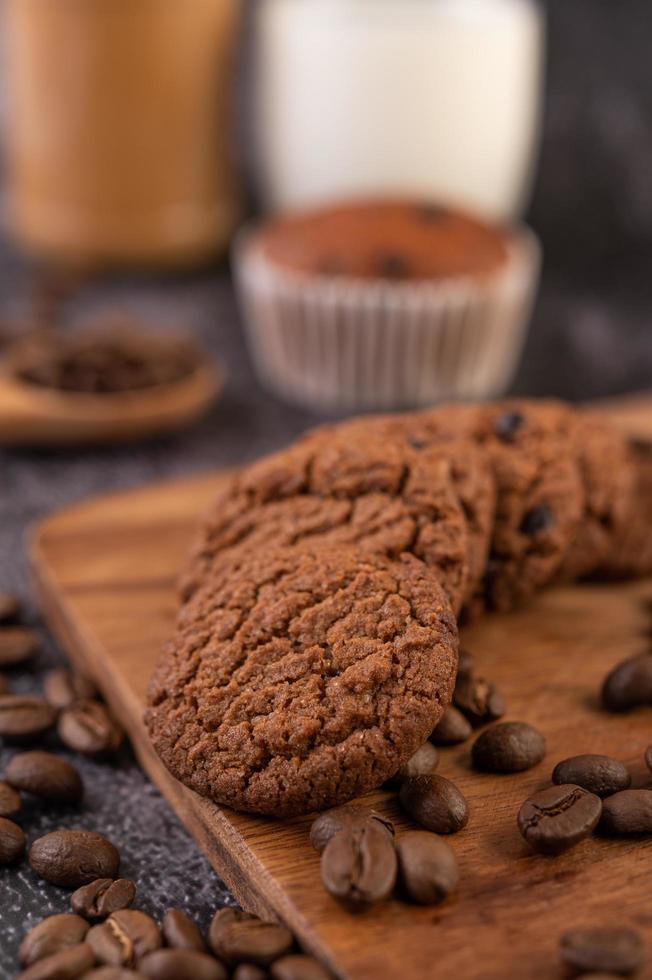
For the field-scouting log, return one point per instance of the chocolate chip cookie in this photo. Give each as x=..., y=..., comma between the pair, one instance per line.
x=300, y=677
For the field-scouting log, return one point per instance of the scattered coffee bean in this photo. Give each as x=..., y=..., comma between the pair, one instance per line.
x=435, y=803
x=537, y=520
x=9, y=607
x=63, y=687
x=512, y=746
x=12, y=841
x=238, y=937
x=424, y=761
x=124, y=938
x=648, y=757
x=45, y=775
x=478, y=699
x=600, y=774
x=17, y=645
x=507, y=425
x=180, y=932
x=605, y=949
x=297, y=966
x=453, y=729
x=88, y=728
x=112, y=973
x=358, y=866
x=53, y=934
x=629, y=685
x=349, y=817
x=427, y=867
x=10, y=801
x=559, y=817
x=465, y=662
x=181, y=964
x=71, y=858
x=628, y=812
x=67, y=964
x=23, y=718
x=103, y=897
x=249, y=971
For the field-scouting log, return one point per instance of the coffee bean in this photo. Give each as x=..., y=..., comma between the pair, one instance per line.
x=124, y=938
x=606, y=949
x=12, y=841
x=249, y=971
x=88, y=728
x=427, y=867
x=358, y=866
x=512, y=746
x=23, y=718
x=51, y=935
x=181, y=964
x=435, y=803
x=600, y=774
x=17, y=645
x=9, y=607
x=424, y=761
x=465, y=662
x=238, y=937
x=180, y=932
x=628, y=812
x=559, y=817
x=63, y=687
x=71, y=858
x=10, y=801
x=453, y=728
x=349, y=817
x=112, y=973
x=537, y=520
x=102, y=897
x=67, y=964
x=297, y=966
x=648, y=757
x=629, y=685
x=478, y=699
x=46, y=775
x=507, y=425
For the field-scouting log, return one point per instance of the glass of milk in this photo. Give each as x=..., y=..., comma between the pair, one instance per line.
x=435, y=98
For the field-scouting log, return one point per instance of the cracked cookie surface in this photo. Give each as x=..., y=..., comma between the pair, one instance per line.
x=301, y=677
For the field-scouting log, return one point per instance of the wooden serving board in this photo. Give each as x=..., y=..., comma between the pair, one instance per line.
x=106, y=574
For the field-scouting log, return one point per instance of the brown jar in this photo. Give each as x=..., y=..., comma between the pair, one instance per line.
x=119, y=130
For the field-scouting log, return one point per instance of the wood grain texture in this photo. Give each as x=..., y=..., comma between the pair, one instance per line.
x=106, y=574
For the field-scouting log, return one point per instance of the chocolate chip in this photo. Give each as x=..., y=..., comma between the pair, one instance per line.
x=392, y=266
x=537, y=520
x=507, y=425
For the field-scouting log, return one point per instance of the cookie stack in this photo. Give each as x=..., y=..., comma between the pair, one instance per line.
x=316, y=647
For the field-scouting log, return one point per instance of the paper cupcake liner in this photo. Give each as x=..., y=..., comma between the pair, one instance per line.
x=330, y=343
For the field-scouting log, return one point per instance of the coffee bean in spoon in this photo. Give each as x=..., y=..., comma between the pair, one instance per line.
x=348, y=817
x=9, y=607
x=45, y=775
x=71, y=858
x=599, y=774
x=10, y=801
x=180, y=932
x=478, y=699
x=453, y=728
x=18, y=644
x=604, y=949
x=102, y=897
x=513, y=746
x=67, y=964
x=628, y=812
x=239, y=937
x=181, y=964
x=434, y=802
x=24, y=718
x=558, y=818
x=12, y=842
x=358, y=867
x=124, y=938
x=63, y=687
x=424, y=761
x=87, y=727
x=51, y=935
x=629, y=684
x=428, y=869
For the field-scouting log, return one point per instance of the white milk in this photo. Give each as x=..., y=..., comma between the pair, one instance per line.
x=438, y=98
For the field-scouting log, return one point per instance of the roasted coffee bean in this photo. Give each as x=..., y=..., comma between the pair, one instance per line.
x=17, y=645
x=46, y=775
x=10, y=801
x=124, y=938
x=71, y=858
x=12, y=841
x=537, y=520
x=249, y=971
x=427, y=867
x=512, y=746
x=238, y=937
x=23, y=718
x=181, y=964
x=453, y=729
x=88, y=728
x=349, y=817
x=51, y=935
x=103, y=897
x=424, y=761
x=629, y=685
x=507, y=425
x=648, y=757
x=605, y=949
x=112, y=973
x=628, y=812
x=478, y=699
x=297, y=966
x=63, y=687
x=180, y=932
x=358, y=866
x=435, y=803
x=600, y=774
x=559, y=817
x=465, y=663
x=67, y=964
x=9, y=607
